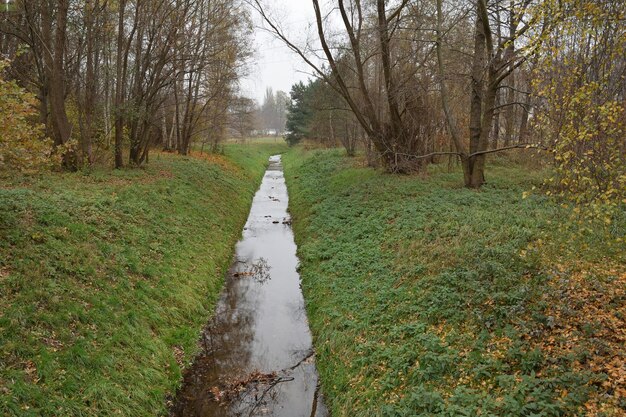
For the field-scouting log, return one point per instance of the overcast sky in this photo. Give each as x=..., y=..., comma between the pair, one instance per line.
x=274, y=65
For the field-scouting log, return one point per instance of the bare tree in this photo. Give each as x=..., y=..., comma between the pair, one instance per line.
x=384, y=110
x=54, y=36
x=100, y=68
x=242, y=116
x=494, y=60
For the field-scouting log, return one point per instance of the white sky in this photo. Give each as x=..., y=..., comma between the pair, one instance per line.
x=274, y=65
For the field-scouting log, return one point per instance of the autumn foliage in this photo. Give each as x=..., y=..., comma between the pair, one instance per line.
x=22, y=143
x=580, y=84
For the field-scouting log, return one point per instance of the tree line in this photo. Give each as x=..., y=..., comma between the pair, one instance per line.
x=272, y=113
x=408, y=81
x=127, y=75
x=414, y=81
x=251, y=119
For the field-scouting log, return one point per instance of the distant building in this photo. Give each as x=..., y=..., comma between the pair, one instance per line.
x=267, y=132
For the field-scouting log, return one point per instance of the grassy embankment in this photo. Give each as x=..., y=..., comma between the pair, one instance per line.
x=428, y=299
x=106, y=279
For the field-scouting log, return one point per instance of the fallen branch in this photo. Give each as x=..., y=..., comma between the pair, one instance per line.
x=309, y=355
x=259, y=401
x=230, y=391
x=233, y=390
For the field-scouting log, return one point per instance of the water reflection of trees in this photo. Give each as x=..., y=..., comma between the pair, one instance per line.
x=227, y=358
x=226, y=345
x=257, y=270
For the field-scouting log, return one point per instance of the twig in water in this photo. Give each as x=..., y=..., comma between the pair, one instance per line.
x=268, y=389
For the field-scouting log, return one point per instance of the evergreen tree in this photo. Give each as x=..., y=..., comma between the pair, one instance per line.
x=298, y=113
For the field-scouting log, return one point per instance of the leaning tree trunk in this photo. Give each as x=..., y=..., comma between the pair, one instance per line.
x=445, y=101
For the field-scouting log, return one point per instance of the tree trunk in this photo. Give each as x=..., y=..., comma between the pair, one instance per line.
x=523, y=128
x=509, y=56
x=90, y=82
x=482, y=125
x=478, y=165
x=119, y=82
x=495, y=131
x=445, y=101
x=473, y=178
x=61, y=127
x=43, y=107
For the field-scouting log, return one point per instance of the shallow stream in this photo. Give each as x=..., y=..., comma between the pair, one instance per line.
x=257, y=357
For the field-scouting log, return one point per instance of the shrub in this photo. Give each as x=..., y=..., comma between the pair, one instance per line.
x=23, y=146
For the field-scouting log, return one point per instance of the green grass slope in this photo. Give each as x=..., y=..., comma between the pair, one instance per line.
x=106, y=279
x=428, y=299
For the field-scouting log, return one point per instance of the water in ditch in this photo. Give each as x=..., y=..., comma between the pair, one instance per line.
x=257, y=357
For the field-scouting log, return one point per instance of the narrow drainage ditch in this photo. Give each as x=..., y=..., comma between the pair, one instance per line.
x=257, y=357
